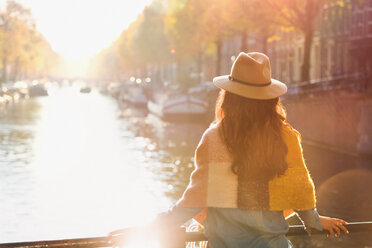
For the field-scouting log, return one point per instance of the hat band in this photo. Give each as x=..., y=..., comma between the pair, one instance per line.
x=247, y=83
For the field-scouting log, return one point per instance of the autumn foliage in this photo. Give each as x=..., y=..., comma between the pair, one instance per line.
x=24, y=52
x=184, y=31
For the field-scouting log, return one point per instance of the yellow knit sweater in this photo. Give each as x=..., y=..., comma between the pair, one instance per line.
x=213, y=184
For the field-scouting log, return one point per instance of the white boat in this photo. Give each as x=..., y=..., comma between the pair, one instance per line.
x=133, y=95
x=179, y=106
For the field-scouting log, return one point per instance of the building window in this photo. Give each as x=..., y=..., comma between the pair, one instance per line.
x=283, y=76
x=340, y=59
x=346, y=23
x=316, y=64
x=339, y=21
x=360, y=18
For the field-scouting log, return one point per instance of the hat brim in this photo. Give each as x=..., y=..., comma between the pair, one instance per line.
x=274, y=90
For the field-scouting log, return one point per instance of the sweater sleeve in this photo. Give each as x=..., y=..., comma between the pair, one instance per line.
x=176, y=216
x=310, y=219
x=195, y=194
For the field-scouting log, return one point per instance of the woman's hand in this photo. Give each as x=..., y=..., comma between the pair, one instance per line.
x=333, y=225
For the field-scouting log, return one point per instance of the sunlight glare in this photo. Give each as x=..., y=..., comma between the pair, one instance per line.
x=82, y=28
x=99, y=180
x=143, y=244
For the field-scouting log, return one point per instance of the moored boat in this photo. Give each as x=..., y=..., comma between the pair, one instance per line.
x=37, y=90
x=85, y=89
x=134, y=96
x=114, y=89
x=178, y=107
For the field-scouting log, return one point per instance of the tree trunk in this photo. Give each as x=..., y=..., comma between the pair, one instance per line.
x=200, y=67
x=265, y=36
x=5, y=67
x=264, y=44
x=16, y=69
x=219, y=57
x=312, y=10
x=244, y=45
x=305, y=67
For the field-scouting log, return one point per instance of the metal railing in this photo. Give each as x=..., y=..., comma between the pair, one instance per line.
x=357, y=82
x=177, y=239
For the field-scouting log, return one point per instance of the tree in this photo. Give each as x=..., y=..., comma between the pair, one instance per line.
x=186, y=34
x=125, y=45
x=242, y=22
x=217, y=26
x=302, y=15
x=23, y=49
x=184, y=29
x=197, y=25
x=150, y=42
x=15, y=22
x=106, y=65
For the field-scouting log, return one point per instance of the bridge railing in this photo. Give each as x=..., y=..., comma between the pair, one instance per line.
x=177, y=239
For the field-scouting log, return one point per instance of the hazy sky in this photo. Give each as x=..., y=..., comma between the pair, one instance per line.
x=80, y=28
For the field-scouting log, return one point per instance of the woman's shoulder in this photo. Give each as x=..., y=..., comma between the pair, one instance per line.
x=290, y=134
x=211, y=135
x=212, y=130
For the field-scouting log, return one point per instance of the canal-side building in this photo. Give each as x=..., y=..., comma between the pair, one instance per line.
x=334, y=33
x=341, y=44
x=329, y=50
x=360, y=39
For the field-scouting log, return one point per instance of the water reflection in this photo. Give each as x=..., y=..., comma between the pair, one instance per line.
x=167, y=147
x=73, y=165
x=16, y=138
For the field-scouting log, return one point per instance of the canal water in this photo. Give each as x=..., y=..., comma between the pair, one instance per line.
x=76, y=165
x=79, y=165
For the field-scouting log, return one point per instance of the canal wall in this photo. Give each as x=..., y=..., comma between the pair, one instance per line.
x=336, y=128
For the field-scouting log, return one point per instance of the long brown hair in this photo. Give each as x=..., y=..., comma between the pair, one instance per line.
x=251, y=130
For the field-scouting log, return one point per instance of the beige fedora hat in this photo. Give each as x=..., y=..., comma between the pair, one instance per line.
x=251, y=77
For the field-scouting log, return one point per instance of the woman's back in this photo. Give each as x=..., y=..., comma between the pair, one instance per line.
x=214, y=184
